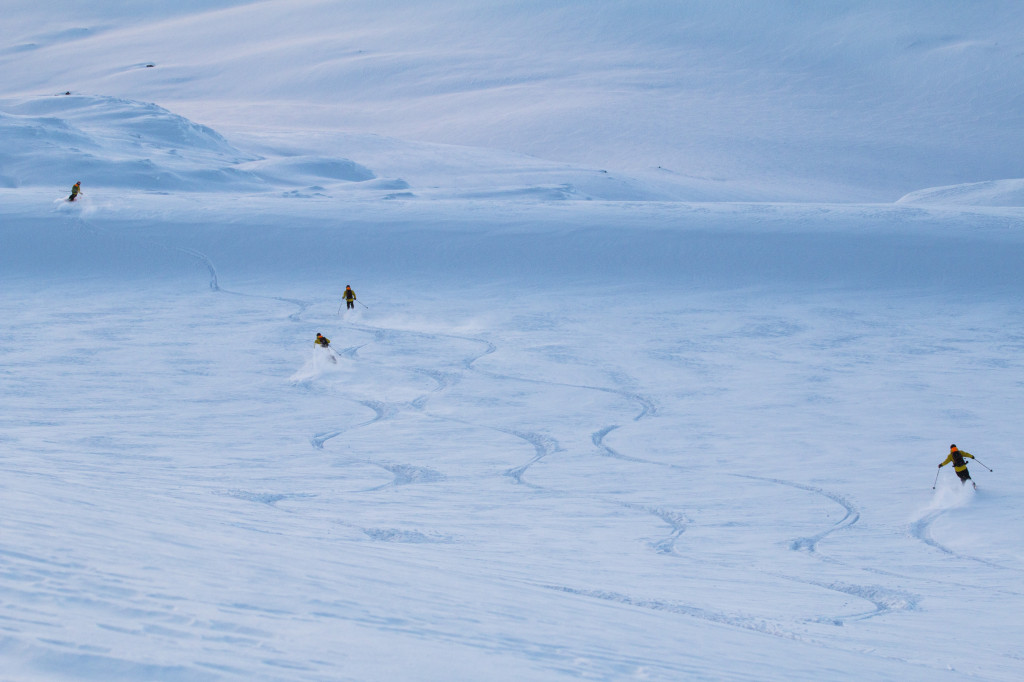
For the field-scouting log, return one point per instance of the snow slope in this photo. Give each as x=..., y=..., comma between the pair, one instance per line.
x=589, y=419
x=847, y=101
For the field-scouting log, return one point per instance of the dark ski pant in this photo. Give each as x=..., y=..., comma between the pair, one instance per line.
x=350, y=304
x=964, y=476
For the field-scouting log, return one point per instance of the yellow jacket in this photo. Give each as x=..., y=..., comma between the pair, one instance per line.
x=957, y=458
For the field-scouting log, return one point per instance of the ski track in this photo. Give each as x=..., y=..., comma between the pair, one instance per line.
x=202, y=259
x=542, y=445
x=597, y=438
x=215, y=284
x=677, y=521
x=883, y=600
x=921, y=530
x=403, y=474
x=810, y=544
x=745, y=622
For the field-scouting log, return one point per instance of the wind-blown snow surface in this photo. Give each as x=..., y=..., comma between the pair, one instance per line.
x=573, y=430
x=717, y=466
x=707, y=99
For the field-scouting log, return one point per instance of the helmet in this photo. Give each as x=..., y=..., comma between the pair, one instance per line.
x=953, y=446
x=348, y=286
x=319, y=334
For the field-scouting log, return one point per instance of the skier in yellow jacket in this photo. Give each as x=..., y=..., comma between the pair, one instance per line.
x=350, y=298
x=75, y=190
x=956, y=456
x=325, y=343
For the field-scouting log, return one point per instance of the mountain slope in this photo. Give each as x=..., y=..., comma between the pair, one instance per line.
x=787, y=100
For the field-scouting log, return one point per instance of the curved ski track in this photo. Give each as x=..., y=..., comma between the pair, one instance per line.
x=921, y=530
x=883, y=600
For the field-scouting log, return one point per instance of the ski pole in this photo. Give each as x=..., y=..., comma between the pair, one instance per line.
x=368, y=307
x=936, y=478
x=976, y=460
x=339, y=307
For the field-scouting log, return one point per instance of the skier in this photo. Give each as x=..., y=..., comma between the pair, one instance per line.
x=325, y=343
x=956, y=456
x=75, y=189
x=350, y=298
